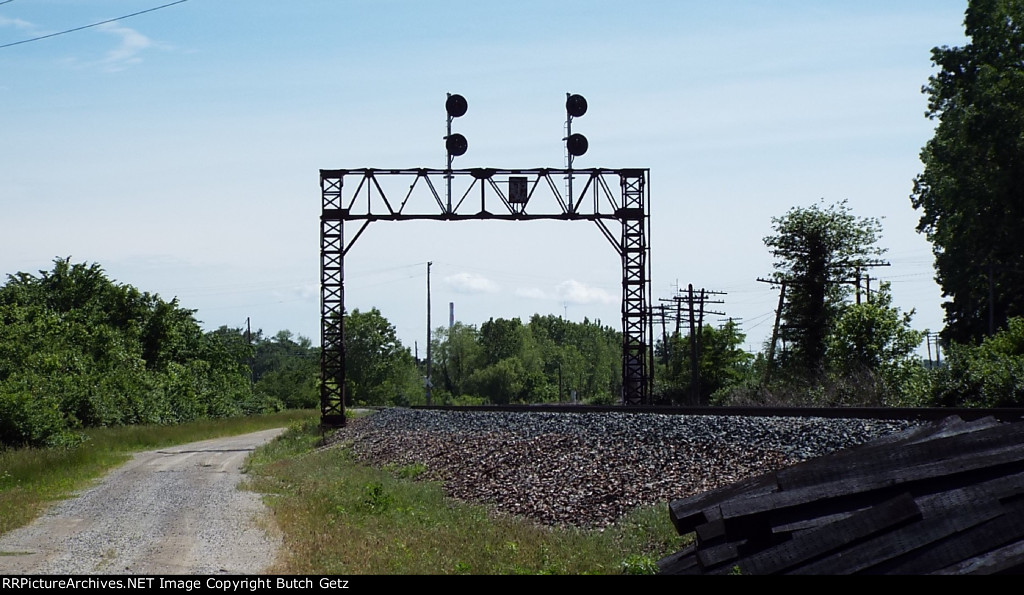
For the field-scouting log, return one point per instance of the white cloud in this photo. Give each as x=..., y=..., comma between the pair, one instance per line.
x=17, y=24
x=132, y=44
x=470, y=283
x=532, y=293
x=128, y=51
x=301, y=292
x=574, y=292
x=570, y=292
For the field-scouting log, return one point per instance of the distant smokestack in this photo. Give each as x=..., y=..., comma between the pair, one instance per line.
x=451, y=314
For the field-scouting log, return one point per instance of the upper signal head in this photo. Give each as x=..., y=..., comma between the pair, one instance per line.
x=456, y=106
x=575, y=105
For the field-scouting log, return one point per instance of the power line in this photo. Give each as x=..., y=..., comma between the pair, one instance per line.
x=7, y=45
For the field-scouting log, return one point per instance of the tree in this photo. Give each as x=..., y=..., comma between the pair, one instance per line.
x=457, y=353
x=285, y=369
x=501, y=339
x=503, y=382
x=872, y=348
x=78, y=350
x=547, y=359
x=378, y=369
x=721, y=363
x=971, y=191
x=819, y=253
x=512, y=365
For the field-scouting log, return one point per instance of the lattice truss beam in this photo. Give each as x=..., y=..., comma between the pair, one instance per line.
x=600, y=195
x=332, y=310
x=637, y=329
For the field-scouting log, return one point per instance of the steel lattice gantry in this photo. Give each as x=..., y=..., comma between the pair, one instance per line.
x=368, y=195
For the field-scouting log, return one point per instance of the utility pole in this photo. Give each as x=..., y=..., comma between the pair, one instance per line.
x=696, y=347
x=775, y=330
x=252, y=355
x=694, y=366
x=696, y=323
x=938, y=354
x=679, y=310
x=678, y=299
x=664, y=335
x=428, y=383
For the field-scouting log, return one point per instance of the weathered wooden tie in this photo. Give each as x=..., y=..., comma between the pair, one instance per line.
x=944, y=498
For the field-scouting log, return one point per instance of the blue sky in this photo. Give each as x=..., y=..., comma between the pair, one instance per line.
x=180, y=148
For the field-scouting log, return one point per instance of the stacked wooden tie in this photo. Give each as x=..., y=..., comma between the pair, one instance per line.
x=942, y=498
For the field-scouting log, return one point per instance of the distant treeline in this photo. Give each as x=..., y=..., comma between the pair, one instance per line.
x=547, y=359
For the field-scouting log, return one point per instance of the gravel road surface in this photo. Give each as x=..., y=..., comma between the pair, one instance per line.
x=177, y=510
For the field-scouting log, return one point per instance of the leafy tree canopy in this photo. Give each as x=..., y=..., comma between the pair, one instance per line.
x=79, y=350
x=379, y=370
x=547, y=359
x=721, y=363
x=819, y=252
x=872, y=347
x=971, y=191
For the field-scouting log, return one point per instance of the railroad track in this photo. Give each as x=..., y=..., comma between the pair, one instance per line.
x=1006, y=414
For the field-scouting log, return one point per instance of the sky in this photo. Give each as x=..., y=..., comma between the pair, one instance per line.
x=180, y=148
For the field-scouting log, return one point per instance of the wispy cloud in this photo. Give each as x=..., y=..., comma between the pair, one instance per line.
x=17, y=24
x=569, y=292
x=303, y=292
x=532, y=293
x=128, y=51
x=471, y=283
x=574, y=292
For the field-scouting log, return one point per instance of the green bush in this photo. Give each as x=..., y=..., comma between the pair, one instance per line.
x=78, y=350
x=28, y=420
x=987, y=375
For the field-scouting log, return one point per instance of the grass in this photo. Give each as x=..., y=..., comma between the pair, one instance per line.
x=32, y=478
x=341, y=517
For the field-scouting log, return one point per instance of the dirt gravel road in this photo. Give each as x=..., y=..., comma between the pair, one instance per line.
x=176, y=510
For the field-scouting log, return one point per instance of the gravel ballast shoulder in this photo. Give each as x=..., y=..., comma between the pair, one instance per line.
x=588, y=469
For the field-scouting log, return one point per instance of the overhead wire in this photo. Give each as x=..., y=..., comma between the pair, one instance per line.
x=7, y=45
